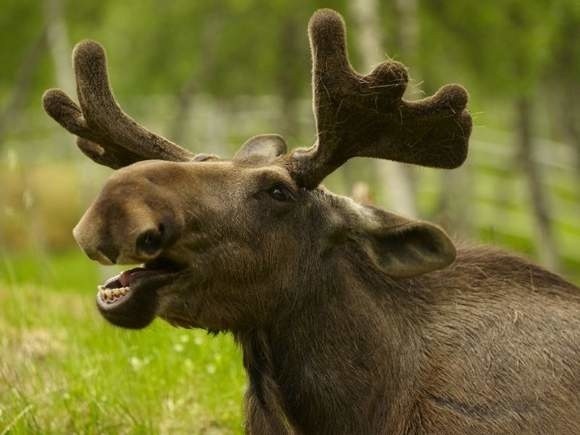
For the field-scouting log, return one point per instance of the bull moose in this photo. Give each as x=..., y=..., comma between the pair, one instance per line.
x=352, y=320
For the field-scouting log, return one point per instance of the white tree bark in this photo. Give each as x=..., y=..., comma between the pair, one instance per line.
x=395, y=179
x=58, y=44
x=407, y=27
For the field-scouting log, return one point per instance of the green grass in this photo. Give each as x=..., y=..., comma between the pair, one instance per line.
x=63, y=369
x=65, y=271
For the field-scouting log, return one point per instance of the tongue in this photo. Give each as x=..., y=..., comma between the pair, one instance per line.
x=125, y=278
x=128, y=276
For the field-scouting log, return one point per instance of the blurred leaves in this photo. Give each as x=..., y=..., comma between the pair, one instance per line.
x=157, y=46
x=505, y=45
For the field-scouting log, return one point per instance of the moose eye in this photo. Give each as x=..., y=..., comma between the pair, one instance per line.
x=280, y=192
x=150, y=241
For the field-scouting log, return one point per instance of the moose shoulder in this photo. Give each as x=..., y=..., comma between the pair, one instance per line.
x=352, y=320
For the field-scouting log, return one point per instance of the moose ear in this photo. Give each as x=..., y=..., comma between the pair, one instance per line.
x=404, y=248
x=264, y=147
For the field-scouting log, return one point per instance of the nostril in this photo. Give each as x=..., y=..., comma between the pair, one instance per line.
x=150, y=242
x=109, y=252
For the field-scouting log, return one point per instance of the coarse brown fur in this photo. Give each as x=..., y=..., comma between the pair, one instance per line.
x=490, y=345
x=352, y=320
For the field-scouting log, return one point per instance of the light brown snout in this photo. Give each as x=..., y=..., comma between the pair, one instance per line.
x=126, y=233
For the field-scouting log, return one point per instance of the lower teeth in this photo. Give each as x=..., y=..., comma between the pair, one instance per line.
x=110, y=295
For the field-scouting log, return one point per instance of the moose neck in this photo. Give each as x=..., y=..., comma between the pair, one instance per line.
x=305, y=360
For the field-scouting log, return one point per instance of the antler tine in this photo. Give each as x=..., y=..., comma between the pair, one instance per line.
x=106, y=134
x=366, y=116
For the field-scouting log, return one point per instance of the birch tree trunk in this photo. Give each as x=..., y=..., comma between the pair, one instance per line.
x=393, y=176
x=545, y=239
x=407, y=39
x=58, y=44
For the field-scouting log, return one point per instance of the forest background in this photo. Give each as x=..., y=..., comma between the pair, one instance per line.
x=208, y=75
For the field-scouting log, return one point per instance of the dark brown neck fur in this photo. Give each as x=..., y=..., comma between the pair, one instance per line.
x=372, y=355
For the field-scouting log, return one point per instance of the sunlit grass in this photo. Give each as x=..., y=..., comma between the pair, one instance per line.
x=65, y=271
x=63, y=369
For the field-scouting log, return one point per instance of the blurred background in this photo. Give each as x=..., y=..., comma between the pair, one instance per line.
x=208, y=75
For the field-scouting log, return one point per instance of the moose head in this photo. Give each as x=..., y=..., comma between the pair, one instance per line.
x=230, y=244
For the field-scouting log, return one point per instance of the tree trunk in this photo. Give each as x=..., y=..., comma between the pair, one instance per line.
x=545, y=240
x=58, y=44
x=407, y=40
x=393, y=176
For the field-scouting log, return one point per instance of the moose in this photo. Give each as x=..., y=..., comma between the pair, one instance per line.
x=351, y=319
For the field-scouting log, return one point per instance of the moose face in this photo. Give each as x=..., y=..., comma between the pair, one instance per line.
x=224, y=243
x=206, y=233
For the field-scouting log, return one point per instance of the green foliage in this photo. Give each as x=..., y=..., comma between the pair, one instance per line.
x=232, y=47
x=563, y=71
x=505, y=45
x=22, y=26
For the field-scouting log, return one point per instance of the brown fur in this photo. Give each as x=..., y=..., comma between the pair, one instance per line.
x=365, y=115
x=490, y=345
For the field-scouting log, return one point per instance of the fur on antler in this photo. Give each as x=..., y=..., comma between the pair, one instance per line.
x=355, y=115
x=105, y=133
x=366, y=116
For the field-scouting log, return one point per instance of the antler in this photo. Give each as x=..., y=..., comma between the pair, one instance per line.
x=366, y=116
x=105, y=133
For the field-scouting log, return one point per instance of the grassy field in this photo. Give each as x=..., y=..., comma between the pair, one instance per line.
x=63, y=369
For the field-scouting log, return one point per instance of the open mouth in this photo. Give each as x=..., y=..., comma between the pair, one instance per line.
x=129, y=299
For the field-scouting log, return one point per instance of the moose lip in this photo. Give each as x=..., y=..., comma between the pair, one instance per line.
x=119, y=289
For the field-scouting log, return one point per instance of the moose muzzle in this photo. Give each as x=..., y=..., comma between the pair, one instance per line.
x=124, y=233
